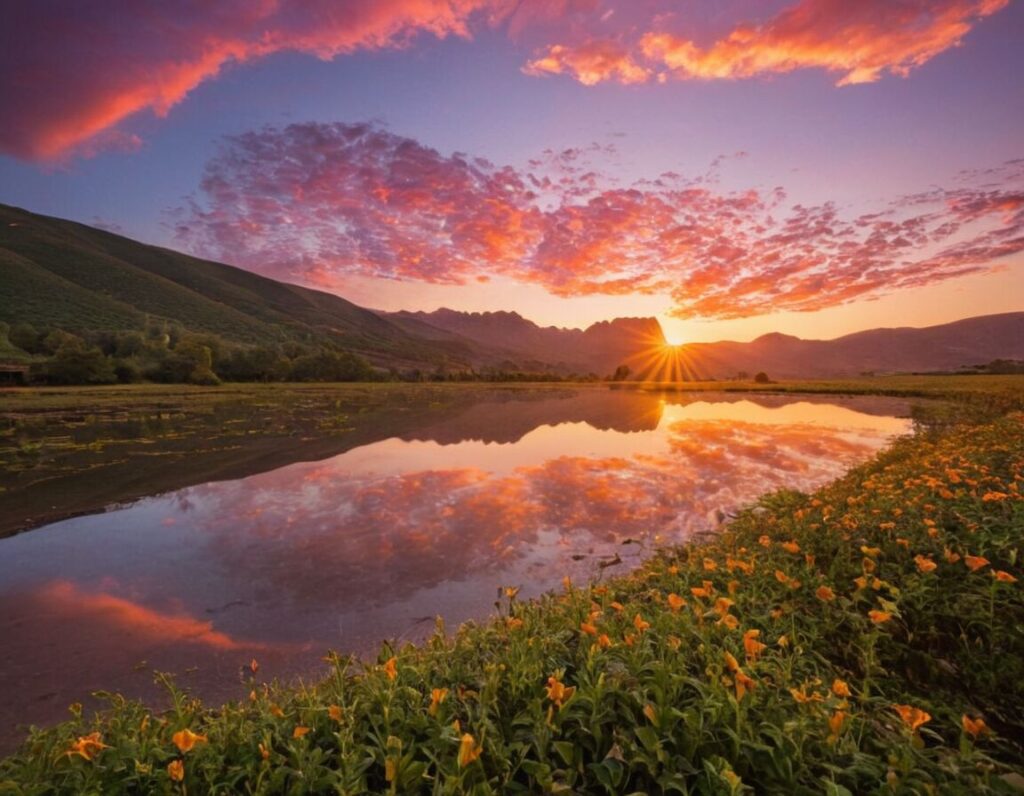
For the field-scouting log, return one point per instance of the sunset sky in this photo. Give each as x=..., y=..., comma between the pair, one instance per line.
x=733, y=167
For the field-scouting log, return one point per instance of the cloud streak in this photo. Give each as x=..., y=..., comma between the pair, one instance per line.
x=316, y=203
x=859, y=41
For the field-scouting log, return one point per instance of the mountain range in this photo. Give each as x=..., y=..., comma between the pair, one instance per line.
x=63, y=274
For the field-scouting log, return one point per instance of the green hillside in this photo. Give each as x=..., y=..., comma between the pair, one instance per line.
x=61, y=274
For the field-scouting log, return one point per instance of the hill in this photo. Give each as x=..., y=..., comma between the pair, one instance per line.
x=949, y=346
x=63, y=274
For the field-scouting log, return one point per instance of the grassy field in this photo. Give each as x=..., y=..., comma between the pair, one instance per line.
x=867, y=638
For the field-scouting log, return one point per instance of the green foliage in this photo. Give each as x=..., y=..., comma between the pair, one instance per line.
x=827, y=643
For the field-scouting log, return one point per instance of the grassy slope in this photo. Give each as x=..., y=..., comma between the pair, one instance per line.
x=92, y=279
x=656, y=705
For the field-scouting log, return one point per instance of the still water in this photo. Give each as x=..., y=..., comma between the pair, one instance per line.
x=374, y=542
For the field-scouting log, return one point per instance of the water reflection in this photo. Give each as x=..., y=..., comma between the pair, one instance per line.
x=372, y=542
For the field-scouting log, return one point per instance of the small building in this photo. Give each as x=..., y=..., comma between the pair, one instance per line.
x=13, y=374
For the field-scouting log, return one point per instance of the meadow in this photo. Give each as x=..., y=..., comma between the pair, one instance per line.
x=866, y=638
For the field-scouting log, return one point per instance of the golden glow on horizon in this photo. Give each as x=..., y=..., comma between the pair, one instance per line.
x=665, y=362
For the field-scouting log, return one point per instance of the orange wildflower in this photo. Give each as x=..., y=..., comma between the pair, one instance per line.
x=300, y=731
x=437, y=696
x=868, y=564
x=722, y=605
x=567, y=583
x=391, y=668
x=973, y=727
x=950, y=556
x=559, y=692
x=912, y=717
x=1005, y=577
x=264, y=752
x=751, y=645
x=730, y=661
x=275, y=710
x=640, y=624
x=835, y=723
x=825, y=594
x=511, y=592
x=840, y=688
x=469, y=750
x=743, y=684
x=974, y=563
x=990, y=497
x=729, y=621
x=710, y=564
x=176, y=770
x=791, y=547
x=618, y=606
x=675, y=602
x=879, y=617
x=254, y=665
x=651, y=715
x=87, y=746
x=874, y=552
x=764, y=541
x=924, y=563
x=603, y=641
x=589, y=629
x=334, y=712
x=185, y=740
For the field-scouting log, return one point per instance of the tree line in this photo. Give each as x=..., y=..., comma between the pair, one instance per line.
x=168, y=353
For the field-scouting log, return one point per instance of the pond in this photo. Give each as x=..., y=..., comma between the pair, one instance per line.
x=412, y=521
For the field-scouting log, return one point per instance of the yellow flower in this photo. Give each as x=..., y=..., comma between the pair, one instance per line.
x=1005, y=577
x=300, y=731
x=176, y=770
x=924, y=563
x=675, y=602
x=825, y=594
x=912, y=717
x=469, y=750
x=559, y=692
x=975, y=563
x=640, y=624
x=840, y=688
x=87, y=746
x=973, y=727
x=334, y=713
x=185, y=740
x=391, y=668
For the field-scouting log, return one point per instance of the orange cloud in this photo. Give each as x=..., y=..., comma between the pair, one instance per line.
x=590, y=63
x=317, y=202
x=66, y=598
x=861, y=40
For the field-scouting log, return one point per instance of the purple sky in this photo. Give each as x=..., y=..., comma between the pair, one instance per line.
x=225, y=134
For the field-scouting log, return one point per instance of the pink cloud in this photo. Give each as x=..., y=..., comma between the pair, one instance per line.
x=590, y=63
x=74, y=70
x=316, y=203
